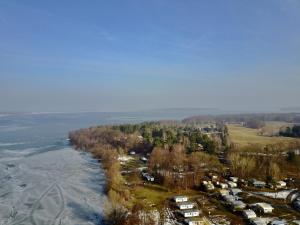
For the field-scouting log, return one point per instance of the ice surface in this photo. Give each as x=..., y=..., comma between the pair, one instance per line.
x=54, y=187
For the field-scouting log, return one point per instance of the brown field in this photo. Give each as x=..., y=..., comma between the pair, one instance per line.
x=244, y=136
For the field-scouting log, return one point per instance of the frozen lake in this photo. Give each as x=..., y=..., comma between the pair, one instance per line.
x=42, y=179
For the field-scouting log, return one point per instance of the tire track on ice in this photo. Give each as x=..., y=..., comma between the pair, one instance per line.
x=62, y=207
x=35, y=207
x=37, y=203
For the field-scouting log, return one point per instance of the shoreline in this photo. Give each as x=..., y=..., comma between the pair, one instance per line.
x=144, y=172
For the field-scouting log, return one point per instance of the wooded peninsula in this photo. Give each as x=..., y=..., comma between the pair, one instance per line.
x=147, y=164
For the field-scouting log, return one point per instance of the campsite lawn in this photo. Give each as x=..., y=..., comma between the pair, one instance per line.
x=154, y=194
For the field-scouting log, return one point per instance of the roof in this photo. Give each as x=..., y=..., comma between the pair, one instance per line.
x=190, y=210
x=180, y=196
x=258, y=221
x=199, y=219
x=238, y=203
x=264, y=205
x=185, y=203
x=259, y=182
x=281, y=182
x=235, y=191
x=230, y=182
x=249, y=212
x=278, y=222
x=230, y=198
x=224, y=191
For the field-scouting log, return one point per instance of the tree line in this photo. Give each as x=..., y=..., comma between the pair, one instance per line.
x=286, y=117
x=273, y=161
x=291, y=131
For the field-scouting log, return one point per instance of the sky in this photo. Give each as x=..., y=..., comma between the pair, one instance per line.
x=127, y=55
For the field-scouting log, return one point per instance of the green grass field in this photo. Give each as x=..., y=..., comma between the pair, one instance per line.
x=244, y=136
x=151, y=194
x=154, y=194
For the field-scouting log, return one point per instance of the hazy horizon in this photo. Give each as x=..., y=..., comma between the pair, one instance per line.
x=190, y=111
x=120, y=56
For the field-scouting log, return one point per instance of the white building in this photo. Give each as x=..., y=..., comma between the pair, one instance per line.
x=224, y=192
x=237, y=206
x=258, y=221
x=234, y=179
x=220, y=185
x=257, y=183
x=281, y=184
x=140, y=137
x=144, y=159
x=208, y=185
x=232, y=184
x=229, y=199
x=223, y=185
x=185, y=205
x=249, y=214
x=190, y=213
x=278, y=222
x=180, y=198
x=264, y=207
x=213, y=176
x=235, y=191
x=296, y=222
x=200, y=147
x=148, y=177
